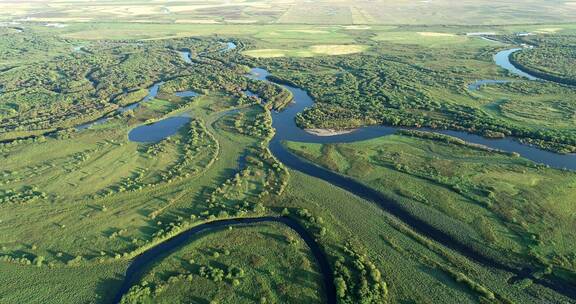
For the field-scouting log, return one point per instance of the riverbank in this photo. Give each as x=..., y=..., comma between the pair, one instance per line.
x=329, y=132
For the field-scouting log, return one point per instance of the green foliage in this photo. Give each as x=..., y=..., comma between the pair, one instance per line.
x=260, y=264
x=514, y=219
x=363, y=284
x=425, y=87
x=551, y=59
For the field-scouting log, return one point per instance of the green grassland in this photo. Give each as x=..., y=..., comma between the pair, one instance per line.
x=79, y=284
x=245, y=264
x=76, y=207
x=490, y=200
x=121, y=195
x=421, y=80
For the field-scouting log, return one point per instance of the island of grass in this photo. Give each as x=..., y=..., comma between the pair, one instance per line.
x=261, y=263
x=551, y=58
x=500, y=204
x=77, y=206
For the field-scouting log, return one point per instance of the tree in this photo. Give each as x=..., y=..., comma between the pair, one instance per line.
x=340, y=287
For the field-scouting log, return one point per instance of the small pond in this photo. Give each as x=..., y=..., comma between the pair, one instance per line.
x=157, y=131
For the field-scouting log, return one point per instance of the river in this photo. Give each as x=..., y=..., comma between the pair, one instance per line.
x=152, y=93
x=286, y=129
x=134, y=272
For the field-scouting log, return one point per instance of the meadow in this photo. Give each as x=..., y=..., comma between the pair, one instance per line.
x=76, y=206
x=504, y=195
x=264, y=263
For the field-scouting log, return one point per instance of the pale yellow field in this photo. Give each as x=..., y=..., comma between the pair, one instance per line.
x=337, y=49
x=548, y=30
x=314, y=50
x=345, y=12
x=357, y=27
x=433, y=34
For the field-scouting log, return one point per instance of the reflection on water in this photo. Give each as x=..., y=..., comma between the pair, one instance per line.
x=186, y=94
x=186, y=56
x=502, y=59
x=286, y=129
x=152, y=93
x=478, y=84
x=159, y=130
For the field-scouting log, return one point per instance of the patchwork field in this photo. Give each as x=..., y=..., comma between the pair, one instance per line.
x=433, y=219
x=295, y=11
x=314, y=50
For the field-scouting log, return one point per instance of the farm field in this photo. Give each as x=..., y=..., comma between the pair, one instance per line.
x=287, y=151
x=294, y=11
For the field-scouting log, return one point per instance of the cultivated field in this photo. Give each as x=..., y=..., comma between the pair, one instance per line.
x=77, y=206
x=294, y=11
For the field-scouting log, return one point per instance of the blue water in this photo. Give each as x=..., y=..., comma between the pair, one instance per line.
x=478, y=84
x=186, y=94
x=186, y=56
x=152, y=93
x=286, y=129
x=229, y=46
x=250, y=93
x=142, y=262
x=159, y=130
x=502, y=59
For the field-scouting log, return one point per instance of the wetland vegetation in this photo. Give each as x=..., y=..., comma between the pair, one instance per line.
x=88, y=194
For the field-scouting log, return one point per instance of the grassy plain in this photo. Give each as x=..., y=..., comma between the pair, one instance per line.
x=76, y=223
x=414, y=268
x=244, y=264
x=484, y=198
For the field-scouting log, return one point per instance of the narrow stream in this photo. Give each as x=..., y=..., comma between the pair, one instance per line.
x=135, y=271
x=286, y=129
x=152, y=93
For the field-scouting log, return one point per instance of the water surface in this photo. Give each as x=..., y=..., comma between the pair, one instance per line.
x=141, y=263
x=186, y=94
x=286, y=129
x=229, y=46
x=475, y=86
x=159, y=130
x=502, y=59
x=152, y=93
x=186, y=56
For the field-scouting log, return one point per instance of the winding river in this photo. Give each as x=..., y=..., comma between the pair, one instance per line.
x=135, y=271
x=286, y=129
x=152, y=93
